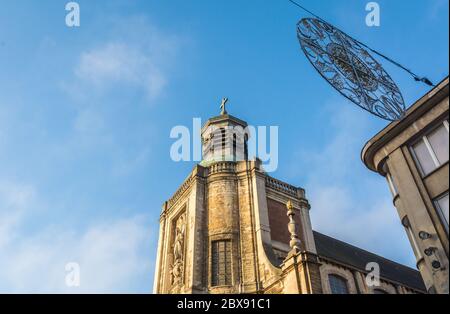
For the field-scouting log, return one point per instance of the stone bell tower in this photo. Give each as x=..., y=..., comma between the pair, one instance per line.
x=224, y=138
x=215, y=233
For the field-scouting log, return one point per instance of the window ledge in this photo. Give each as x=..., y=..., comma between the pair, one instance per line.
x=435, y=170
x=420, y=261
x=221, y=287
x=396, y=198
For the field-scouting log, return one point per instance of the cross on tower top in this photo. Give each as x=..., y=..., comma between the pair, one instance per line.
x=223, y=106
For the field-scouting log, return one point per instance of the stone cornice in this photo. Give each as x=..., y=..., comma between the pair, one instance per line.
x=423, y=105
x=282, y=192
x=222, y=167
x=195, y=174
x=223, y=118
x=281, y=186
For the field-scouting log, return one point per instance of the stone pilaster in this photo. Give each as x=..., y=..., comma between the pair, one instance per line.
x=301, y=272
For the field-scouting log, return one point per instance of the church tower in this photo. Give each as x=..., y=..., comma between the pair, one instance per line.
x=231, y=228
x=215, y=232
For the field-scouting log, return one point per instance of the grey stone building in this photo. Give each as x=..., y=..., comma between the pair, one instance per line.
x=413, y=155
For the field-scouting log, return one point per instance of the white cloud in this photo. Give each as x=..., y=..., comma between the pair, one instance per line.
x=348, y=202
x=436, y=8
x=126, y=167
x=16, y=196
x=137, y=55
x=112, y=254
x=133, y=63
x=15, y=199
x=371, y=224
x=117, y=62
x=5, y=123
x=89, y=121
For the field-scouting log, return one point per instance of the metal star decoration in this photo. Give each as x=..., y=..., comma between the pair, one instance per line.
x=350, y=69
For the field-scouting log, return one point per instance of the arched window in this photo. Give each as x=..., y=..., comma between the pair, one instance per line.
x=246, y=146
x=338, y=285
x=235, y=148
x=224, y=142
x=221, y=272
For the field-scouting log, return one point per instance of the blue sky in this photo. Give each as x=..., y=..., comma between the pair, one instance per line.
x=86, y=113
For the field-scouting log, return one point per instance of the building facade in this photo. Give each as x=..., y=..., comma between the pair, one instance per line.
x=413, y=155
x=231, y=228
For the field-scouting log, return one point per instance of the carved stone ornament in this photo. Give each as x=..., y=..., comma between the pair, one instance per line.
x=295, y=243
x=177, y=271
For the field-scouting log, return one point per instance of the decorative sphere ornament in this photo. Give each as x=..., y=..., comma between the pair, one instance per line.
x=350, y=69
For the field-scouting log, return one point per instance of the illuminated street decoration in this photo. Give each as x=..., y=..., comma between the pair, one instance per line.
x=350, y=69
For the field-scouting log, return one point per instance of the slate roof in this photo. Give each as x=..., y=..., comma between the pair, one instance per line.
x=345, y=253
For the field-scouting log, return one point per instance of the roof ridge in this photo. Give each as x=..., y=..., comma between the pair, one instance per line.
x=371, y=253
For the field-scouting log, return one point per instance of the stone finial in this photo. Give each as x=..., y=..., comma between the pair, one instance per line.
x=223, y=109
x=293, y=228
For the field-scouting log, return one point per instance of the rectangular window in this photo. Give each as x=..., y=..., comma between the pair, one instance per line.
x=221, y=274
x=442, y=205
x=432, y=151
x=424, y=157
x=439, y=143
